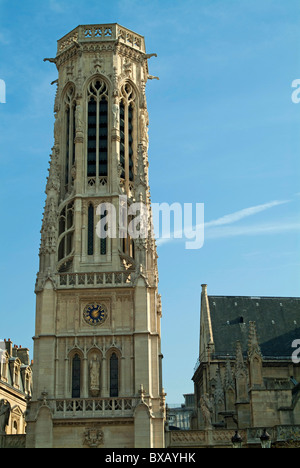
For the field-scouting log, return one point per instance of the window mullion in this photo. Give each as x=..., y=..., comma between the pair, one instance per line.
x=91, y=236
x=126, y=142
x=67, y=144
x=97, y=142
x=70, y=145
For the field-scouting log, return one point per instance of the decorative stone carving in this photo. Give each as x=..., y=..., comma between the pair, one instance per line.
x=57, y=97
x=144, y=123
x=253, y=346
x=70, y=70
x=143, y=100
x=98, y=64
x=78, y=118
x=53, y=181
x=95, y=376
x=5, y=410
x=115, y=81
x=93, y=437
x=116, y=114
x=207, y=410
x=79, y=84
x=151, y=77
x=56, y=127
x=49, y=229
x=127, y=68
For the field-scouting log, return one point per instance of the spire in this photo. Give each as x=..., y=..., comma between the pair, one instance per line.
x=229, y=380
x=253, y=345
x=240, y=368
x=241, y=375
x=255, y=358
x=219, y=390
x=206, y=333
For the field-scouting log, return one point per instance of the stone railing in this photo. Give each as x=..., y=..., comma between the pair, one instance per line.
x=279, y=435
x=96, y=280
x=101, y=32
x=202, y=438
x=100, y=407
x=13, y=441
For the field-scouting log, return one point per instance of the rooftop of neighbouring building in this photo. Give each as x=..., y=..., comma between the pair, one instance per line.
x=277, y=322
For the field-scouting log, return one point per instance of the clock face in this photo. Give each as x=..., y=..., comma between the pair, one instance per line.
x=94, y=314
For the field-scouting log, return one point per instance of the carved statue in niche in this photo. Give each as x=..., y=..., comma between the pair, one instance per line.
x=144, y=123
x=95, y=375
x=127, y=68
x=115, y=79
x=73, y=172
x=78, y=118
x=5, y=410
x=56, y=127
x=207, y=410
x=116, y=114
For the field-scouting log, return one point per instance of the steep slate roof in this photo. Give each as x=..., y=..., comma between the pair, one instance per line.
x=277, y=323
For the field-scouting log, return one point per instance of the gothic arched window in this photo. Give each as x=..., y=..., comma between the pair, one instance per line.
x=97, y=132
x=93, y=247
x=69, y=117
x=103, y=240
x=114, y=375
x=76, y=370
x=127, y=110
x=66, y=231
x=91, y=229
x=126, y=242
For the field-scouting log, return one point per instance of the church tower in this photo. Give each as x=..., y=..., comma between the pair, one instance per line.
x=97, y=347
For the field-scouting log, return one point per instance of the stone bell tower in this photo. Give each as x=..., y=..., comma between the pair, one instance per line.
x=97, y=344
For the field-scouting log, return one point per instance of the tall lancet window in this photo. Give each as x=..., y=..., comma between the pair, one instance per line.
x=66, y=237
x=103, y=240
x=127, y=149
x=114, y=375
x=96, y=245
x=76, y=371
x=69, y=125
x=97, y=133
x=91, y=230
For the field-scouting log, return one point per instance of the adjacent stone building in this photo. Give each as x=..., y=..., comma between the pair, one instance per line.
x=97, y=343
x=245, y=378
x=15, y=390
x=245, y=361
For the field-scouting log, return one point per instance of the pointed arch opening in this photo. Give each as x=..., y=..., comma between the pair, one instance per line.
x=91, y=229
x=114, y=375
x=69, y=136
x=76, y=376
x=127, y=130
x=97, y=132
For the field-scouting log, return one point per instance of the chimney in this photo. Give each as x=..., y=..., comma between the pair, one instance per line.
x=8, y=345
x=23, y=355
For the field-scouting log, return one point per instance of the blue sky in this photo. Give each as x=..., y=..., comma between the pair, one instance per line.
x=223, y=132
